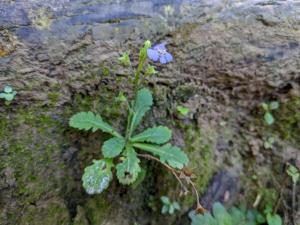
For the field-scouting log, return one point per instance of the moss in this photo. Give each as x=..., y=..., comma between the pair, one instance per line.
x=287, y=120
x=41, y=18
x=53, y=97
x=33, y=142
x=3, y=53
x=97, y=209
x=185, y=92
x=258, y=184
x=200, y=154
x=54, y=212
x=80, y=218
x=28, y=143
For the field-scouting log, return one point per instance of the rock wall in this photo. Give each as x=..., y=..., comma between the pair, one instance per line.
x=61, y=57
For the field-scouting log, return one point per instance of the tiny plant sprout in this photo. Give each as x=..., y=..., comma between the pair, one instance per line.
x=268, y=108
x=268, y=144
x=150, y=71
x=121, y=97
x=293, y=172
x=8, y=93
x=235, y=216
x=169, y=206
x=272, y=218
x=124, y=59
x=183, y=110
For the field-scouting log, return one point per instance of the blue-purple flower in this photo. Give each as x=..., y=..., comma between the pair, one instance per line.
x=159, y=52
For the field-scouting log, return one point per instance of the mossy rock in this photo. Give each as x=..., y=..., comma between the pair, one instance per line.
x=287, y=122
x=48, y=212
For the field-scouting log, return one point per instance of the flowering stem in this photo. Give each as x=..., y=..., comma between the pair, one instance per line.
x=147, y=156
x=199, y=206
x=137, y=76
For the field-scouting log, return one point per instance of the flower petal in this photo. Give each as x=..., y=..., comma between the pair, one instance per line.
x=168, y=57
x=163, y=60
x=152, y=54
x=161, y=46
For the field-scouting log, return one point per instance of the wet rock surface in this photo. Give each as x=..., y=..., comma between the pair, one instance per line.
x=229, y=57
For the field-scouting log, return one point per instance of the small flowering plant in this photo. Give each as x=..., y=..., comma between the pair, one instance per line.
x=122, y=153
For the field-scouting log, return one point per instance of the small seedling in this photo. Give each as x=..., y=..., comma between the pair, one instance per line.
x=235, y=216
x=268, y=144
x=293, y=172
x=183, y=110
x=8, y=94
x=268, y=108
x=150, y=71
x=221, y=216
x=121, y=97
x=169, y=206
x=272, y=218
x=124, y=59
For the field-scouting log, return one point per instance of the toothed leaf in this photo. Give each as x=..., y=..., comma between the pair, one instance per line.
x=113, y=147
x=156, y=135
x=96, y=177
x=128, y=170
x=91, y=121
x=169, y=154
x=141, y=105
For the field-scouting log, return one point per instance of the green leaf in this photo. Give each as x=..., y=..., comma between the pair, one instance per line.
x=139, y=179
x=268, y=209
x=128, y=170
x=96, y=178
x=141, y=105
x=183, y=110
x=165, y=200
x=167, y=154
x=8, y=89
x=274, y=105
x=89, y=120
x=176, y=205
x=113, y=147
x=260, y=219
x=205, y=219
x=157, y=135
x=171, y=209
x=274, y=219
x=265, y=106
x=269, y=118
x=221, y=214
x=7, y=97
x=165, y=209
x=237, y=215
